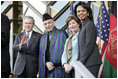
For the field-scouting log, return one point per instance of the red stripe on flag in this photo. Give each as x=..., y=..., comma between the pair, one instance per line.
x=101, y=73
x=103, y=48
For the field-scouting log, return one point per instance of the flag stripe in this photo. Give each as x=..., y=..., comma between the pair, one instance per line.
x=111, y=71
x=103, y=48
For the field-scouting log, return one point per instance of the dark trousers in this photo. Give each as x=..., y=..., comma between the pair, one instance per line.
x=94, y=70
x=71, y=74
x=5, y=74
x=25, y=74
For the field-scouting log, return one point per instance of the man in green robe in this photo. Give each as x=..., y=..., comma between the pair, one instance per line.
x=51, y=49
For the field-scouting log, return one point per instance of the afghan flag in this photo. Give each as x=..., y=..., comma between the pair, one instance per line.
x=110, y=63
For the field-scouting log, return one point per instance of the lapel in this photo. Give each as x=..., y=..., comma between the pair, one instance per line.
x=83, y=25
x=33, y=37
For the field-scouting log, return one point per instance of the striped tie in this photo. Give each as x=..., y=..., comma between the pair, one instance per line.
x=27, y=39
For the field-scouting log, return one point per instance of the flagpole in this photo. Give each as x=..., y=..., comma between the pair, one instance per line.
x=100, y=30
x=71, y=7
x=99, y=42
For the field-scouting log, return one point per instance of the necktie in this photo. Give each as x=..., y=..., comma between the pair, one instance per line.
x=27, y=39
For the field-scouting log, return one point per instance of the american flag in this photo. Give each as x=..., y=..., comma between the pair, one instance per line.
x=102, y=33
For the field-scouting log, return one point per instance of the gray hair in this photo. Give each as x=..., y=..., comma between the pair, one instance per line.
x=29, y=17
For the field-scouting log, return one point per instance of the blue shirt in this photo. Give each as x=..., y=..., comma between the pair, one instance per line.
x=74, y=50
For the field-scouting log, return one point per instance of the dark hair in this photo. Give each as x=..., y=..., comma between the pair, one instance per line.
x=2, y=2
x=85, y=6
x=73, y=18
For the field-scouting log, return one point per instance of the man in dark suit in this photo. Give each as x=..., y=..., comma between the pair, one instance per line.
x=5, y=57
x=27, y=46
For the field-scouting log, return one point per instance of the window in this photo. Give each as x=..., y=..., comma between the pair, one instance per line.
x=4, y=6
x=61, y=21
x=59, y=5
x=38, y=5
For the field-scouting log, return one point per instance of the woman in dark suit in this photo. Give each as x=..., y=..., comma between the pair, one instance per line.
x=88, y=50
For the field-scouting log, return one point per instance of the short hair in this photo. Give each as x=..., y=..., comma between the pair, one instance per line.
x=73, y=18
x=29, y=17
x=85, y=6
x=2, y=2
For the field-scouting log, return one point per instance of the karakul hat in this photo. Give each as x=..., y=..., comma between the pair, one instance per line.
x=46, y=16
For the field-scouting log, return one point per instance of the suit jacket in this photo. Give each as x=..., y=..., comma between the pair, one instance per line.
x=5, y=34
x=27, y=56
x=88, y=50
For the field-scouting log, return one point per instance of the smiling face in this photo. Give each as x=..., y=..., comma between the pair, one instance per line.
x=82, y=13
x=28, y=24
x=73, y=26
x=48, y=24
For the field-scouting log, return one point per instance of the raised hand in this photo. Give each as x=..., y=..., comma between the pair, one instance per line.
x=24, y=40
